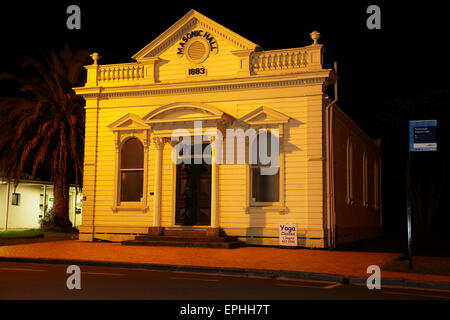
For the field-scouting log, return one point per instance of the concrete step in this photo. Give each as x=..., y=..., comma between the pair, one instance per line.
x=185, y=233
x=203, y=244
x=186, y=238
x=194, y=238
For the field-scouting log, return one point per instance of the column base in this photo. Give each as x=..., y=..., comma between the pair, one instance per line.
x=214, y=232
x=156, y=231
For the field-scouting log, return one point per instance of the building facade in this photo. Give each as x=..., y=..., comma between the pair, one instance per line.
x=201, y=84
x=22, y=206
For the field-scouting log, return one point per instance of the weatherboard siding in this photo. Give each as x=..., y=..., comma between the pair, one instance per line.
x=303, y=179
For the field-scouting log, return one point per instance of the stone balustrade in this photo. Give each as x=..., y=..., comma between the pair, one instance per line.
x=286, y=60
x=120, y=72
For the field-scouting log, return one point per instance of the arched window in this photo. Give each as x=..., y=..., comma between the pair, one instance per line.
x=376, y=184
x=265, y=173
x=365, y=179
x=349, y=171
x=131, y=170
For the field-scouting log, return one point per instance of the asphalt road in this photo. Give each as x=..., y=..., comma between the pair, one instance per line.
x=25, y=281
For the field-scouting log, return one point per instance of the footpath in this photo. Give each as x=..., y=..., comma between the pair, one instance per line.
x=313, y=264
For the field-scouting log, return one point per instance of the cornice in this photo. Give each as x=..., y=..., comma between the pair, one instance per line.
x=202, y=86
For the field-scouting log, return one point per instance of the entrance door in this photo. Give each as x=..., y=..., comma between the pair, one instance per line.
x=193, y=202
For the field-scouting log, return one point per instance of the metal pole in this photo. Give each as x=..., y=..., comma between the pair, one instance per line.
x=408, y=207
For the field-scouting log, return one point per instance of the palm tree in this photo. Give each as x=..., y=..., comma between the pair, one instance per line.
x=42, y=127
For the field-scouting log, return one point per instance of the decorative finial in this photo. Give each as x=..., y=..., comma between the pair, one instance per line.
x=315, y=35
x=95, y=56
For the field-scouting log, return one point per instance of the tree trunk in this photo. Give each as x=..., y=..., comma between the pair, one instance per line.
x=61, y=204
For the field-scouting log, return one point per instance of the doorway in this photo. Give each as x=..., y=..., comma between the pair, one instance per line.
x=193, y=192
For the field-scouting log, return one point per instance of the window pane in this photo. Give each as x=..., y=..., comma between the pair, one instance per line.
x=265, y=188
x=262, y=146
x=132, y=156
x=131, y=185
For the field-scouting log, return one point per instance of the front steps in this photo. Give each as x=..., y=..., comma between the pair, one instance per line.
x=205, y=238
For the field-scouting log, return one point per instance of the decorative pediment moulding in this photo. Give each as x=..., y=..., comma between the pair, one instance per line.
x=191, y=20
x=185, y=111
x=265, y=115
x=193, y=88
x=250, y=57
x=162, y=121
x=129, y=122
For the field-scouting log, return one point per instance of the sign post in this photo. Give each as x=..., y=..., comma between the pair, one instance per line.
x=422, y=137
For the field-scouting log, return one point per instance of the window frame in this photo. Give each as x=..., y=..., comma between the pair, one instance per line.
x=15, y=199
x=121, y=137
x=349, y=171
x=262, y=205
x=121, y=170
x=377, y=184
x=365, y=179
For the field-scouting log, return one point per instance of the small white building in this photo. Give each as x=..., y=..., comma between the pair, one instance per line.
x=23, y=206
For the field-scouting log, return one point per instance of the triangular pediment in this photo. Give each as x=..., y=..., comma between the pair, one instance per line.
x=265, y=115
x=190, y=21
x=129, y=122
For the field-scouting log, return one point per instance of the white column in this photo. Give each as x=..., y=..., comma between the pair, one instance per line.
x=75, y=208
x=159, y=146
x=45, y=198
x=7, y=206
x=214, y=186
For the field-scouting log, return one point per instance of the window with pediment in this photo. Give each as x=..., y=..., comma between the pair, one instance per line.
x=131, y=170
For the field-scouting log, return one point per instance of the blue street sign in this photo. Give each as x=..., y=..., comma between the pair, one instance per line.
x=422, y=135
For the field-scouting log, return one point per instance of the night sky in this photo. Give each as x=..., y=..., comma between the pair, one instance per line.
x=407, y=55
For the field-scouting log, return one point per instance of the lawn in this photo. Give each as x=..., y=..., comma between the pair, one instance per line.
x=33, y=233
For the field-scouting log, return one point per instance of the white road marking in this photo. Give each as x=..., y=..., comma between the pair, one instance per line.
x=103, y=273
x=303, y=280
x=195, y=279
x=297, y=285
x=415, y=294
x=19, y=269
x=333, y=286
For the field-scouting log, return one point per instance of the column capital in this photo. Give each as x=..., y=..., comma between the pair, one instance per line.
x=159, y=142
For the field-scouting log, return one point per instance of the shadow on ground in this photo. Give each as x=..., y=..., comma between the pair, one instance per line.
x=422, y=246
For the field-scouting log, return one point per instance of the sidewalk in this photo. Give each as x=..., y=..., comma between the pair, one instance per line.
x=338, y=266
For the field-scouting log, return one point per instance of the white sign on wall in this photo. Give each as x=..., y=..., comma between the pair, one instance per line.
x=288, y=234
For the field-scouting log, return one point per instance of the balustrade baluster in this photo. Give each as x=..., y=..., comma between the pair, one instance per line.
x=305, y=58
x=258, y=62
x=282, y=61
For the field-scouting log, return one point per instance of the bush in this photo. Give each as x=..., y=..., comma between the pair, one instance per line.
x=50, y=223
x=48, y=219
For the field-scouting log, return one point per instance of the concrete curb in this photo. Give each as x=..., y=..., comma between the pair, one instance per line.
x=240, y=272
x=399, y=282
